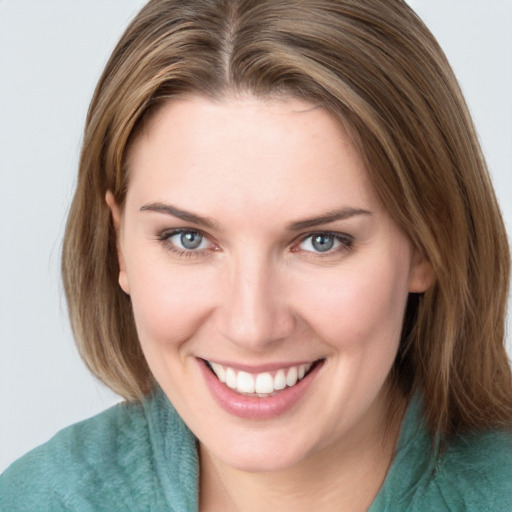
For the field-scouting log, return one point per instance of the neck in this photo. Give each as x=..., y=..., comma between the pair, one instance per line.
x=346, y=476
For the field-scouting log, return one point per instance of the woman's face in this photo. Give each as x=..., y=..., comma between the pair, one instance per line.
x=256, y=252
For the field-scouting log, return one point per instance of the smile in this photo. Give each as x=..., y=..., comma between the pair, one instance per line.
x=258, y=395
x=261, y=384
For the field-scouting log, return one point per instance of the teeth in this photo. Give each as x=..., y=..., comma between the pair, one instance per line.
x=280, y=380
x=291, y=377
x=245, y=383
x=231, y=378
x=219, y=371
x=262, y=384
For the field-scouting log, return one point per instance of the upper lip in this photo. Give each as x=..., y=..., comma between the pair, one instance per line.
x=260, y=368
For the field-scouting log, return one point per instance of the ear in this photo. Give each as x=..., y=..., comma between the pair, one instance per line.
x=422, y=275
x=117, y=217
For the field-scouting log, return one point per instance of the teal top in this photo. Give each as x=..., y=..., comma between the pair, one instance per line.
x=142, y=457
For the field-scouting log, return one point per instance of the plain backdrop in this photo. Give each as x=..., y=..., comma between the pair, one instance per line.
x=51, y=55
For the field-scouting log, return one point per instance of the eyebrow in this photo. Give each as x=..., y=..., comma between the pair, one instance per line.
x=180, y=214
x=341, y=214
x=206, y=222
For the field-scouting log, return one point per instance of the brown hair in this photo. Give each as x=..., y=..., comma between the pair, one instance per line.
x=377, y=68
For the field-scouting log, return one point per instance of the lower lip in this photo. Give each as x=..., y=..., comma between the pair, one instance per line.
x=252, y=407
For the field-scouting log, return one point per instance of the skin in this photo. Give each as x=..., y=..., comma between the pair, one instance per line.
x=257, y=293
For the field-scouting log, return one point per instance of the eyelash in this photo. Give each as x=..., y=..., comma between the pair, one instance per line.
x=164, y=239
x=345, y=243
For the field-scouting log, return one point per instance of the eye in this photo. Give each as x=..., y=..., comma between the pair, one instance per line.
x=325, y=243
x=185, y=241
x=189, y=240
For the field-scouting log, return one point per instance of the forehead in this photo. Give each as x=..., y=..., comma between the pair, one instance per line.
x=247, y=153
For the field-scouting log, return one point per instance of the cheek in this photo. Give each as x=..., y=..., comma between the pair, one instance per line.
x=355, y=307
x=169, y=302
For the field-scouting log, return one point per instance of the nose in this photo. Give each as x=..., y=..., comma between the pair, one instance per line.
x=255, y=311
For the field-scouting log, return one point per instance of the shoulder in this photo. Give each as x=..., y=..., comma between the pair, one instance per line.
x=470, y=473
x=103, y=463
x=89, y=453
x=474, y=473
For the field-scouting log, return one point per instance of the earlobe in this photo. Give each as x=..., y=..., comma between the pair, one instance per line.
x=422, y=275
x=123, y=281
x=115, y=211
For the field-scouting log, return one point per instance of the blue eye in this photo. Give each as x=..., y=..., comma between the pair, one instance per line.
x=186, y=240
x=324, y=243
x=190, y=240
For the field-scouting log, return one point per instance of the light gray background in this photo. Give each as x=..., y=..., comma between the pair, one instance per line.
x=51, y=55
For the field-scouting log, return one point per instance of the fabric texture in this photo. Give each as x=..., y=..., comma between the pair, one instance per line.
x=142, y=457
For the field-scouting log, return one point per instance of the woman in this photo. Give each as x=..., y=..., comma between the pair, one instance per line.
x=283, y=226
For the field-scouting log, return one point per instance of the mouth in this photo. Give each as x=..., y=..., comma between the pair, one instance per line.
x=259, y=393
x=263, y=384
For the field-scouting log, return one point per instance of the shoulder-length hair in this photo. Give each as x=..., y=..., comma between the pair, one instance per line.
x=374, y=66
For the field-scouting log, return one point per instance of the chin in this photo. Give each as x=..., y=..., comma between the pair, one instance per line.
x=262, y=462
x=267, y=451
